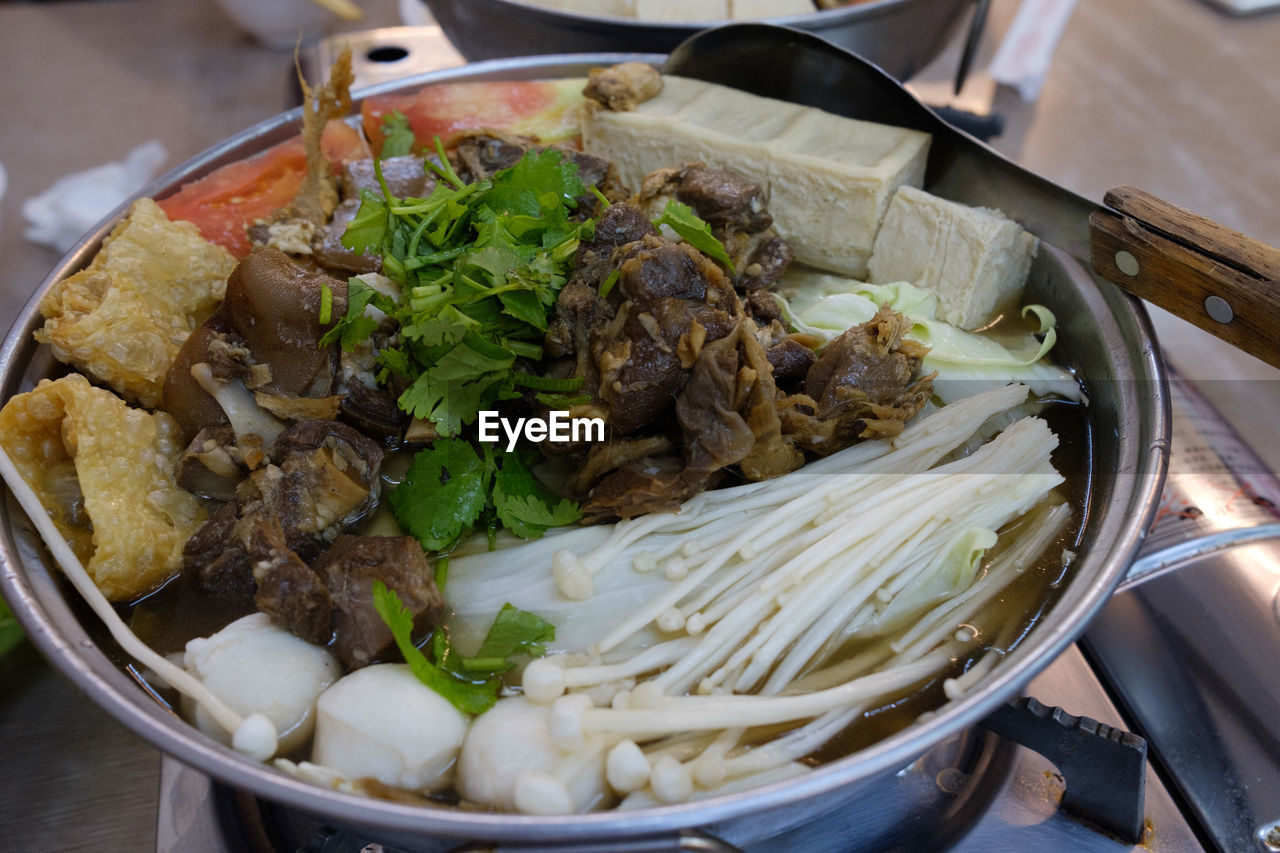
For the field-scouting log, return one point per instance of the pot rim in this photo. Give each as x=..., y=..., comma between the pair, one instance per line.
x=33, y=592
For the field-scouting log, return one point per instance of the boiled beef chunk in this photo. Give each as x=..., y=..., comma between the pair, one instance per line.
x=643, y=369
x=288, y=590
x=866, y=384
x=349, y=569
x=406, y=177
x=735, y=208
x=623, y=86
x=650, y=485
x=790, y=360
x=618, y=226
x=328, y=480
x=723, y=198
x=323, y=480
x=327, y=248
x=215, y=563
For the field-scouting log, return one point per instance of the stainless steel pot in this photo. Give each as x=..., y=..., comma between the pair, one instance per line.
x=1104, y=334
x=901, y=36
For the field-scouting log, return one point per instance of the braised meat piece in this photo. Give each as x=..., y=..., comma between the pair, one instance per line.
x=727, y=411
x=624, y=86
x=328, y=480
x=871, y=362
x=373, y=411
x=288, y=590
x=722, y=198
x=406, y=177
x=790, y=360
x=715, y=434
x=611, y=455
x=484, y=152
x=323, y=481
x=676, y=300
x=863, y=385
x=270, y=314
x=618, y=226
x=768, y=261
x=327, y=248
x=735, y=208
x=651, y=485
x=350, y=567
x=215, y=563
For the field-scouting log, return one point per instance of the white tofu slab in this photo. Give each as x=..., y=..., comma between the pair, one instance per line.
x=975, y=259
x=828, y=178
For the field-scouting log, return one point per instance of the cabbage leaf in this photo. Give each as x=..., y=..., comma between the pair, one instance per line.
x=825, y=305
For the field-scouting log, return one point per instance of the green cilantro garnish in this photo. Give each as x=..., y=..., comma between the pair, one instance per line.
x=515, y=632
x=479, y=266
x=468, y=695
x=442, y=494
x=449, y=489
x=694, y=231
x=523, y=506
x=397, y=136
x=470, y=684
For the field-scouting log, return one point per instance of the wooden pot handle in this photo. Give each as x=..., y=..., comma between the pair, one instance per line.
x=1220, y=280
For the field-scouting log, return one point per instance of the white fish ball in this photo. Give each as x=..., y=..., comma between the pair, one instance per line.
x=513, y=739
x=257, y=667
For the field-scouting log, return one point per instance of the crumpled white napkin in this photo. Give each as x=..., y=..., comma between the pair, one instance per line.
x=60, y=215
x=1023, y=58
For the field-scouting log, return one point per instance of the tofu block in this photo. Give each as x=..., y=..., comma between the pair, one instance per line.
x=828, y=178
x=682, y=10
x=975, y=259
x=749, y=9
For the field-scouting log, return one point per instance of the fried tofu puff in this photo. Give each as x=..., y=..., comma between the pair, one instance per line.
x=123, y=318
x=105, y=473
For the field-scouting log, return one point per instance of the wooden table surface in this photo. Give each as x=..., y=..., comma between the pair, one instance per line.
x=1167, y=95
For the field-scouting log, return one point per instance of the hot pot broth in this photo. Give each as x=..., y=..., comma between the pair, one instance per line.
x=163, y=617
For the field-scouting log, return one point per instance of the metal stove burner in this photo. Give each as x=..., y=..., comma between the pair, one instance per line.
x=980, y=794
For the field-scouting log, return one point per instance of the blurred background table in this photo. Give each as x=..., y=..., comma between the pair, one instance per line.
x=1167, y=95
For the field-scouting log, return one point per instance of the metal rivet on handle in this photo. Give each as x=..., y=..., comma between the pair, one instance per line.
x=1219, y=309
x=1126, y=263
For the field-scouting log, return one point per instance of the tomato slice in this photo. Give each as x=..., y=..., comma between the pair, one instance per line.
x=225, y=202
x=547, y=109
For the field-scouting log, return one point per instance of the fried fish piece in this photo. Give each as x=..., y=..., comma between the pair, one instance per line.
x=124, y=317
x=106, y=474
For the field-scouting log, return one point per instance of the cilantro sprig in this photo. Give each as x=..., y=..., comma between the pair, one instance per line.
x=681, y=219
x=479, y=266
x=397, y=136
x=470, y=684
x=450, y=489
